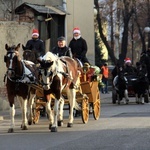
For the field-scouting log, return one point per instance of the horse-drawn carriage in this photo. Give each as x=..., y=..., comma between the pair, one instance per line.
x=61, y=80
x=137, y=86
x=87, y=96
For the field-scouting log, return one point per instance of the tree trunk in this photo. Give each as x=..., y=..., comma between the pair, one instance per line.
x=110, y=50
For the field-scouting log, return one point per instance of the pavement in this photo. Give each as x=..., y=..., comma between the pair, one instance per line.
x=105, y=98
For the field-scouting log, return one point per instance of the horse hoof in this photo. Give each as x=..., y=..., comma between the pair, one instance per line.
x=137, y=102
x=50, y=126
x=24, y=128
x=69, y=125
x=142, y=103
x=11, y=130
x=127, y=103
x=29, y=122
x=60, y=123
x=53, y=129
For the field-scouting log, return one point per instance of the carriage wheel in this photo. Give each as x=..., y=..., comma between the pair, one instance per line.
x=146, y=98
x=36, y=112
x=114, y=96
x=36, y=116
x=85, y=110
x=96, y=106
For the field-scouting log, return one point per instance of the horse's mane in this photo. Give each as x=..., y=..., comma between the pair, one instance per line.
x=57, y=63
x=50, y=56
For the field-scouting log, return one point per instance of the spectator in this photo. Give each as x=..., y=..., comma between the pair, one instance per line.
x=78, y=46
x=105, y=73
x=61, y=49
x=36, y=44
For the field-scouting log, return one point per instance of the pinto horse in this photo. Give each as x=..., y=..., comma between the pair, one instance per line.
x=17, y=74
x=120, y=84
x=58, y=74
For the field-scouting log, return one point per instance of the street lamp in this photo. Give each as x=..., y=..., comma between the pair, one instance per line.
x=147, y=30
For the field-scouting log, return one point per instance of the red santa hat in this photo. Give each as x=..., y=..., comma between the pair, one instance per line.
x=76, y=30
x=127, y=60
x=35, y=32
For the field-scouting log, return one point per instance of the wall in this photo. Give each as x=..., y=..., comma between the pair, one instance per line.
x=53, y=2
x=12, y=33
x=40, y=2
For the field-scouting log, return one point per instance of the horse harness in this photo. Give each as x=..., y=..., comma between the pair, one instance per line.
x=16, y=78
x=64, y=73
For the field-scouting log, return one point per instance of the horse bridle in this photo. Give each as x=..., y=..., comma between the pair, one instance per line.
x=15, y=78
x=51, y=74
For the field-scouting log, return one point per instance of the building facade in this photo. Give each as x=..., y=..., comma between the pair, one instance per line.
x=75, y=13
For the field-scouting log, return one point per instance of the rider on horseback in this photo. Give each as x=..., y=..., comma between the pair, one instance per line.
x=36, y=44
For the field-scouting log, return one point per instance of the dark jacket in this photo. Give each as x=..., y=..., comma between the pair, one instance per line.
x=79, y=49
x=130, y=70
x=36, y=45
x=65, y=51
x=114, y=72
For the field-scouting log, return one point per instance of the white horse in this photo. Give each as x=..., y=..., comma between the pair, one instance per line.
x=59, y=74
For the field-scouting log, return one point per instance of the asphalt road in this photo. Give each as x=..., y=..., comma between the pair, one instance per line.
x=120, y=127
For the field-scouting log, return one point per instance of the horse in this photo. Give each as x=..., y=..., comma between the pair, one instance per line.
x=59, y=74
x=120, y=84
x=16, y=77
x=145, y=59
x=29, y=54
x=141, y=85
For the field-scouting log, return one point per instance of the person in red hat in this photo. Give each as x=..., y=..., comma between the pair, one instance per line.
x=36, y=44
x=128, y=68
x=78, y=46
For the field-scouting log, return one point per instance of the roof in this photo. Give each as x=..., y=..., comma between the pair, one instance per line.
x=41, y=9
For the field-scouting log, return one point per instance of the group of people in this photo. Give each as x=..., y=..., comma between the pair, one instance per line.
x=77, y=47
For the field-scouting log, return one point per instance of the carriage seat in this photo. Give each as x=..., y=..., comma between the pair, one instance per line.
x=91, y=73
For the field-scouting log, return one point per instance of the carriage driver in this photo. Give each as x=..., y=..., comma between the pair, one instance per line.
x=36, y=44
x=78, y=46
x=61, y=49
x=128, y=68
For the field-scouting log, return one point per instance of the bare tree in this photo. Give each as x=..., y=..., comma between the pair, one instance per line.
x=8, y=7
x=101, y=31
x=127, y=9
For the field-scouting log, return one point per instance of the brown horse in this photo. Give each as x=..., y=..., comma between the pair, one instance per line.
x=59, y=74
x=17, y=75
x=29, y=54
